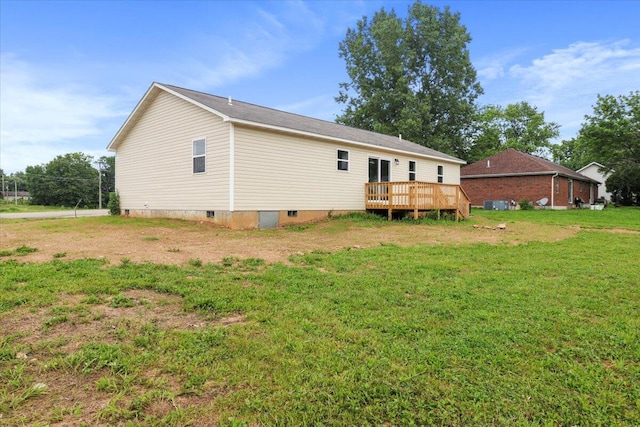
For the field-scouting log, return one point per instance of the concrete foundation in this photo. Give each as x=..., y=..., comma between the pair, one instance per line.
x=237, y=220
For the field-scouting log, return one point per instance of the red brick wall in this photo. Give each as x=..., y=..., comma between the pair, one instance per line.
x=582, y=189
x=516, y=188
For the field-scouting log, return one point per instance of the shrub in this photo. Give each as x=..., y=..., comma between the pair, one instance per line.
x=114, y=204
x=526, y=205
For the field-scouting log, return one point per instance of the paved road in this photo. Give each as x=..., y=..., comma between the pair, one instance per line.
x=56, y=214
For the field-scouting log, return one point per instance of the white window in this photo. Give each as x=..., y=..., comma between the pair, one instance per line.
x=440, y=173
x=199, y=155
x=412, y=170
x=343, y=160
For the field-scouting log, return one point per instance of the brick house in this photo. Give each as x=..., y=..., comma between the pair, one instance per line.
x=513, y=175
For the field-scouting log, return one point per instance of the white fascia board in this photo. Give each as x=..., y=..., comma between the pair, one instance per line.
x=590, y=164
x=344, y=141
x=196, y=103
x=139, y=106
x=145, y=101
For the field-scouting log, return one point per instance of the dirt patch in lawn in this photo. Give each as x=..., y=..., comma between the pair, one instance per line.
x=177, y=242
x=76, y=389
x=57, y=348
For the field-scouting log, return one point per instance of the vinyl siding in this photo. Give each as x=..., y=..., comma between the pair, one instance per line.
x=426, y=170
x=593, y=172
x=154, y=161
x=276, y=171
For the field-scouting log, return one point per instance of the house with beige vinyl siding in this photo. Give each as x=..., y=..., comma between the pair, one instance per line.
x=187, y=154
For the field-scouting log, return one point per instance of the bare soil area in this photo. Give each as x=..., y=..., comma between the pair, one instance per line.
x=70, y=399
x=177, y=242
x=54, y=333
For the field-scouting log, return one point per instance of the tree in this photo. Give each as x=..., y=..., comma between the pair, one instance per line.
x=411, y=77
x=64, y=181
x=38, y=185
x=520, y=126
x=13, y=181
x=572, y=153
x=107, y=165
x=612, y=135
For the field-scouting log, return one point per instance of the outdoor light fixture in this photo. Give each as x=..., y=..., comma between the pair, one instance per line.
x=396, y=161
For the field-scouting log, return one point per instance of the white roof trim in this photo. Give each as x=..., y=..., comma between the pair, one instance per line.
x=129, y=120
x=590, y=164
x=143, y=103
x=191, y=101
x=144, y=100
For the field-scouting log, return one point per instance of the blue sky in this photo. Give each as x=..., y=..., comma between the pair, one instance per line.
x=71, y=72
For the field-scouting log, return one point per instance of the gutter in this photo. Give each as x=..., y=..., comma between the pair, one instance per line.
x=552, y=190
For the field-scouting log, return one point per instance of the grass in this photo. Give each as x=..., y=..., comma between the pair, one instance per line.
x=544, y=333
x=624, y=218
x=11, y=207
x=19, y=251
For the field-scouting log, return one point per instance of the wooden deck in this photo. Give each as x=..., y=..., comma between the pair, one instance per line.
x=416, y=197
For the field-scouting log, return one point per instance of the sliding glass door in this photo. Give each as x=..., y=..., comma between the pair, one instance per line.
x=379, y=170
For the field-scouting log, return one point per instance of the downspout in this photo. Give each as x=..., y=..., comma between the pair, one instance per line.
x=232, y=167
x=553, y=190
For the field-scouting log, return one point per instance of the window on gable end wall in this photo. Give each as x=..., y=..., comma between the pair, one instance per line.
x=412, y=170
x=199, y=155
x=343, y=160
x=440, y=174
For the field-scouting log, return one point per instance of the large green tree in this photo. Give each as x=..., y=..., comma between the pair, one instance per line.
x=520, y=126
x=573, y=153
x=64, y=181
x=411, y=77
x=612, y=135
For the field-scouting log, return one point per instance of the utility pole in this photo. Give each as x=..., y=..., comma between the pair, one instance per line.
x=99, y=185
x=100, y=165
x=15, y=191
x=3, y=186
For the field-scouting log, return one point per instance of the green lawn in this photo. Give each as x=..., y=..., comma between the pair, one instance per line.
x=534, y=334
x=626, y=218
x=11, y=207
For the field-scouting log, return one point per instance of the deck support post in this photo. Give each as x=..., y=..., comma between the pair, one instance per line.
x=390, y=198
x=413, y=199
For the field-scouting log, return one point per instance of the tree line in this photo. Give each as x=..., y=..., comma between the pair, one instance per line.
x=67, y=180
x=414, y=77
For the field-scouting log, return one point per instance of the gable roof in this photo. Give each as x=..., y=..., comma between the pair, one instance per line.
x=512, y=162
x=589, y=165
x=268, y=118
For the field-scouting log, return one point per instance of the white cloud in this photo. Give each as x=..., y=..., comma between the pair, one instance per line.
x=565, y=83
x=262, y=42
x=593, y=63
x=494, y=66
x=41, y=120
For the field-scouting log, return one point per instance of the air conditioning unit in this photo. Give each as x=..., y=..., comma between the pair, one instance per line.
x=496, y=205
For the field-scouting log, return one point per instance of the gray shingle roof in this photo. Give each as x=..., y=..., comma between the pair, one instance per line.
x=255, y=114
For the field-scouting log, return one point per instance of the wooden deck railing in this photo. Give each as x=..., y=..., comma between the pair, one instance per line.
x=416, y=196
